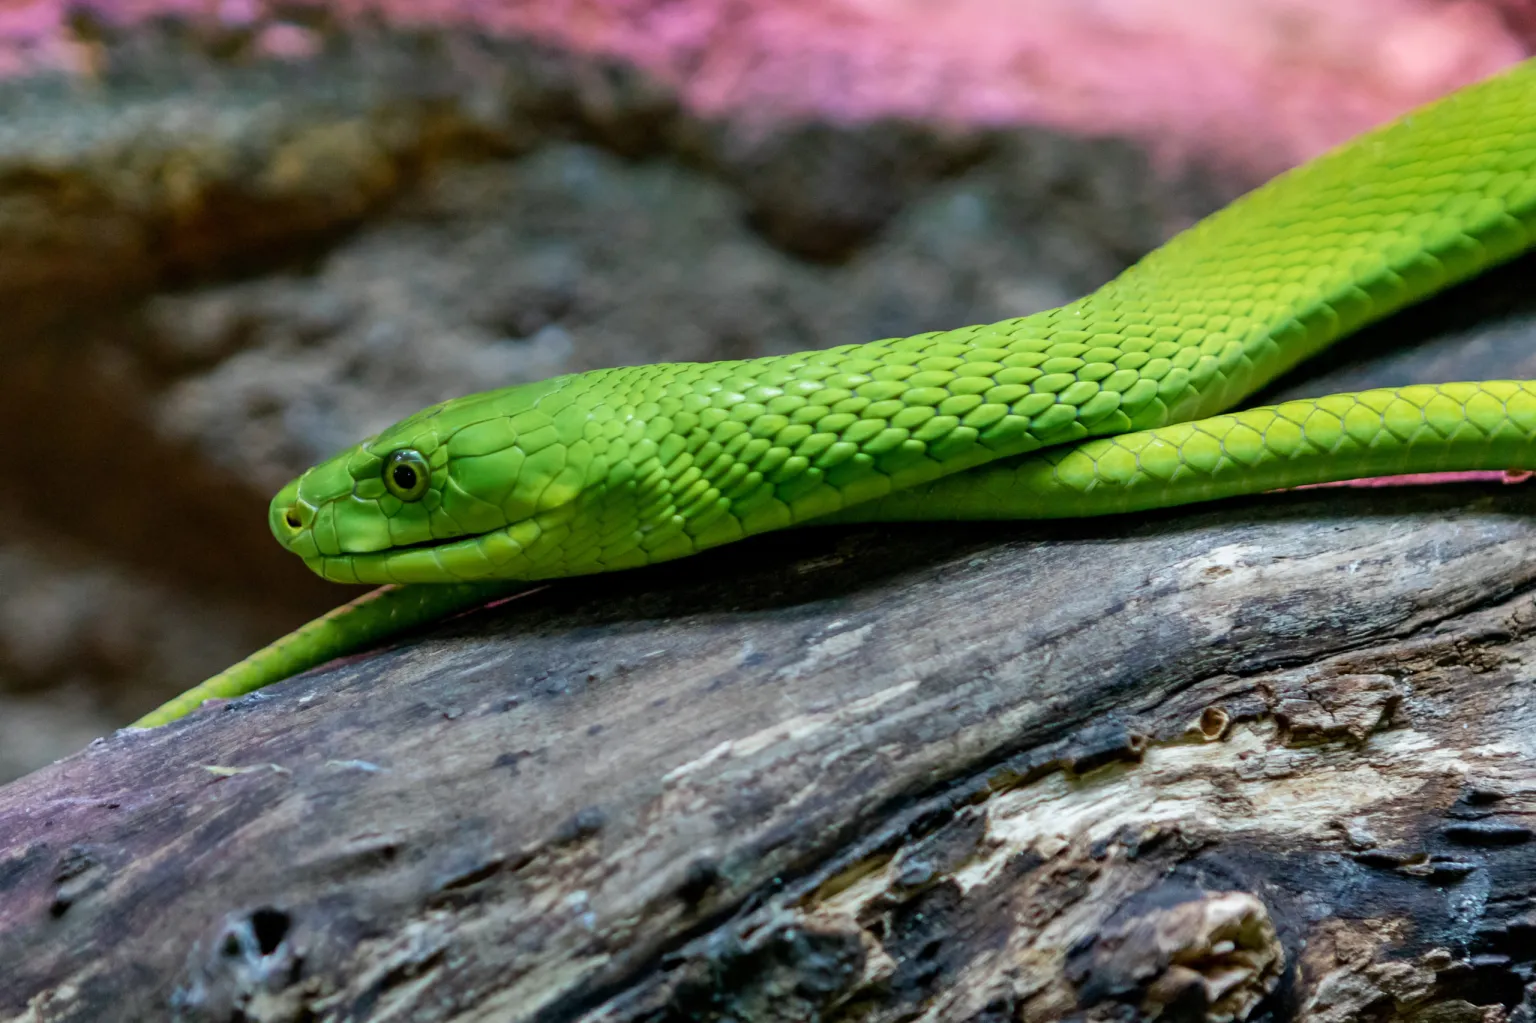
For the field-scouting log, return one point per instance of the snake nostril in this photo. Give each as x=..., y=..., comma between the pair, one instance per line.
x=291, y=516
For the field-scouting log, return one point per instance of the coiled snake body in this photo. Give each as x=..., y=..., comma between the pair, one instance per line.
x=1106, y=404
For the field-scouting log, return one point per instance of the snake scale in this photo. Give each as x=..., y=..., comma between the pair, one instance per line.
x=1107, y=404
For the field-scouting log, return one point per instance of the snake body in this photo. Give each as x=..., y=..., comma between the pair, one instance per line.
x=1106, y=404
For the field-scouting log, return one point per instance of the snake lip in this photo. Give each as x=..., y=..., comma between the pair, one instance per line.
x=424, y=545
x=421, y=544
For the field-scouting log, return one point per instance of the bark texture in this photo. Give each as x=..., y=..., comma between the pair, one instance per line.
x=1269, y=762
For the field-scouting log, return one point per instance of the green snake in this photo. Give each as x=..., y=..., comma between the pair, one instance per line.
x=1106, y=404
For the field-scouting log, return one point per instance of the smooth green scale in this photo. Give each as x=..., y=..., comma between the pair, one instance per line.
x=623, y=467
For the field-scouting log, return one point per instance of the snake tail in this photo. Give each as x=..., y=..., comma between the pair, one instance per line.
x=369, y=619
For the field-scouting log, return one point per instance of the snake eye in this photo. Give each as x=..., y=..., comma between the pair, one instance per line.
x=407, y=474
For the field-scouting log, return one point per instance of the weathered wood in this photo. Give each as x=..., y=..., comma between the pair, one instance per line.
x=986, y=772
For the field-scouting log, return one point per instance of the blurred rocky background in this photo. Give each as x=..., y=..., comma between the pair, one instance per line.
x=236, y=235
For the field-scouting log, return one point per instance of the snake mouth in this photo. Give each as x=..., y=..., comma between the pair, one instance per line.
x=464, y=558
x=421, y=545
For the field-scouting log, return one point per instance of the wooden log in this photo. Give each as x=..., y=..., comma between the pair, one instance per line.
x=1275, y=756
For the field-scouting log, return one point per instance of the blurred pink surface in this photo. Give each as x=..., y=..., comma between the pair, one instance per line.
x=1427, y=479
x=1262, y=84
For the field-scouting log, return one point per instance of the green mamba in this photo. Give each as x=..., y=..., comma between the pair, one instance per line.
x=1106, y=404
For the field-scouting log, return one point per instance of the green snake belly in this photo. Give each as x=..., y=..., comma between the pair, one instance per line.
x=1105, y=404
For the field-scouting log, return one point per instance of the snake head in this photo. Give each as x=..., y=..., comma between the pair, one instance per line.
x=472, y=488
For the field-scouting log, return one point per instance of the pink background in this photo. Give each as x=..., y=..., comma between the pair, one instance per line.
x=1260, y=84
